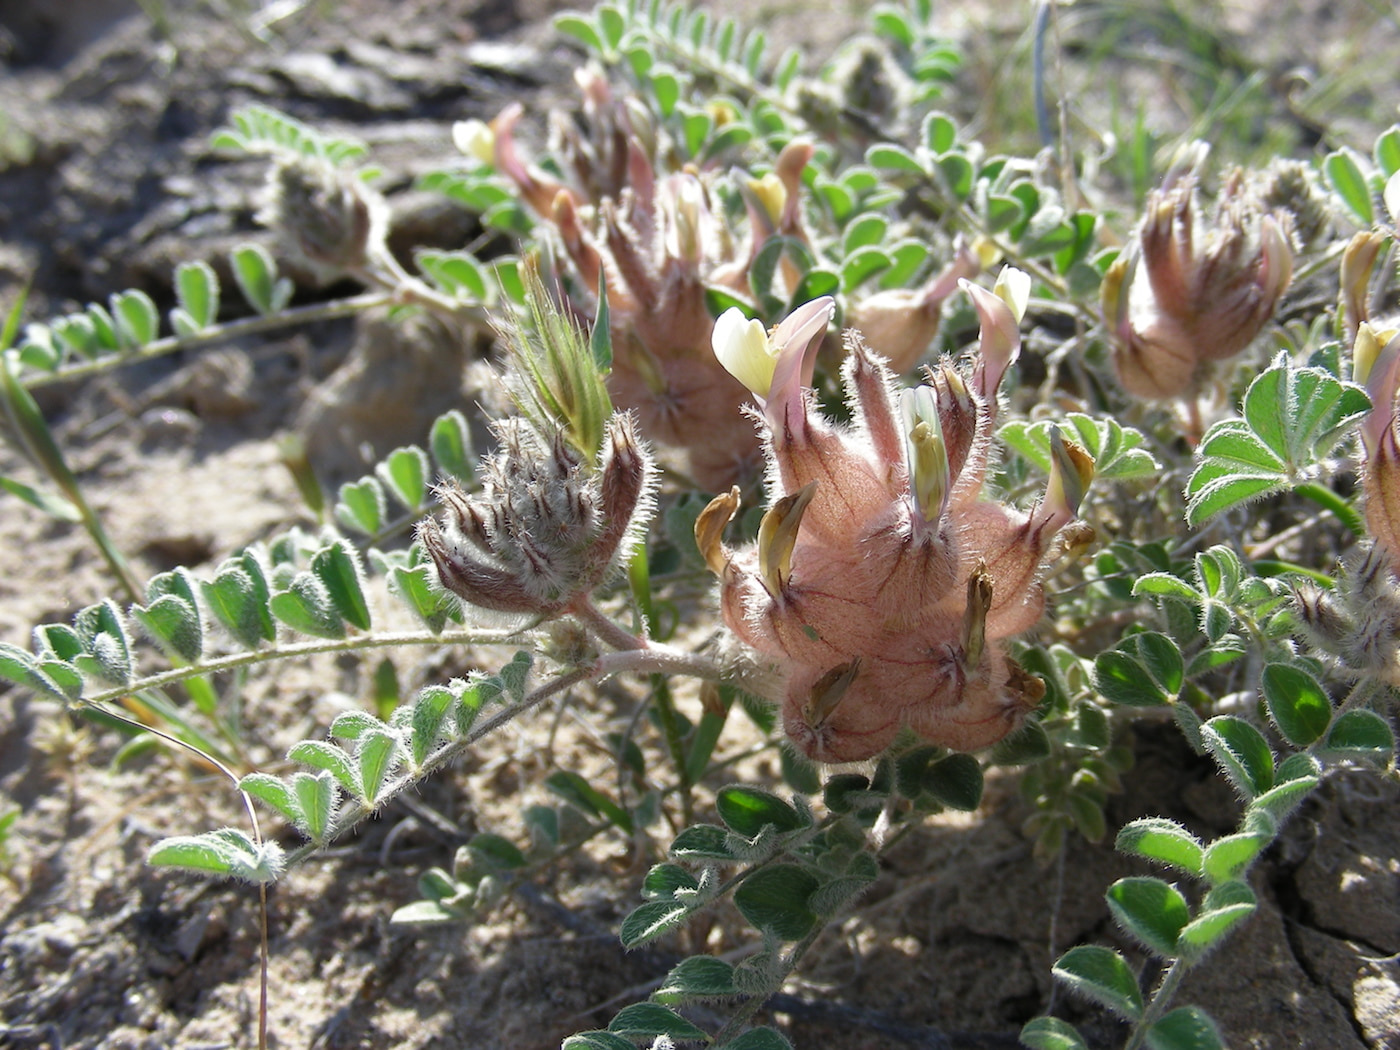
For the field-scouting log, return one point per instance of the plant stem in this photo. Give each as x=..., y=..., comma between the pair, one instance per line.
x=283, y=652
x=1160, y=998
x=215, y=334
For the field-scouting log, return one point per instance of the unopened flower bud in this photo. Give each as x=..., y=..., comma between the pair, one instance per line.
x=326, y=214
x=1195, y=293
x=1358, y=260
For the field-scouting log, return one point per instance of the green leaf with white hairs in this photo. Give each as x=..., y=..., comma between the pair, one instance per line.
x=227, y=852
x=450, y=442
x=1241, y=752
x=748, y=810
x=1298, y=705
x=1102, y=975
x=1163, y=841
x=697, y=977
x=1349, y=181
x=275, y=792
x=1360, y=735
x=515, y=675
x=1224, y=908
x=1145, y=670
x=316, y=795
x=238, y=598
x=1291, y=419
x=107, y=656
x=338, y=568
x=306, y=606
x=762, y=1038
x=404, y=473
x=775, y=899
x=1152, y=911
x=351, y=725
x=362, y=506
x=1050, y=1033
x=255, y=271
x=1230, y=856
x=1185, y=1028
x=431, y=709
x=376, y=753
x=650, y=921
x=136, y=318
x=330, y=758
x=197, y=291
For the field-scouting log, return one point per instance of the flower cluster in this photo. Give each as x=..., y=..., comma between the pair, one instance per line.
x=547, y=526
x=1209, y=290
x=881, y=583
x=658, y=246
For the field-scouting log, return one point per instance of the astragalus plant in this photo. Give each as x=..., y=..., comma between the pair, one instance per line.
x=985, y=465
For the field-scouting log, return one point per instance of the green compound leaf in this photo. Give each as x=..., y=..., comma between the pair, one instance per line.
x=1298, y=704
x=698, y=977
x=227, y=852
x=1050, y=1033
x=1185, y=1028
x=1116, y=450
x=1162, y=840
x=1292, y=417
x=775, y=900
x=1241, y=752
x=1224, y=908
x=1361, y=736
x=1102, y=975
x=748, y=810
x=650, y=921
x=649, y=1020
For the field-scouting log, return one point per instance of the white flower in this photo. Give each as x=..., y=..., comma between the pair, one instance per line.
x=475, y=139
x=743, y=348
